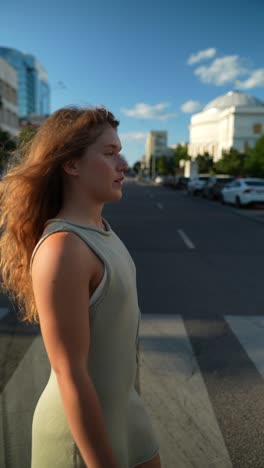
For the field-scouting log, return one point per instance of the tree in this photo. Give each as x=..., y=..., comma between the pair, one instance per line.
x=232, y=162
x=254, y=163
x=136, y=166
x=7, y=146
x=164, y=165
x=27, y=133
x=180, y=153
x=205, y=163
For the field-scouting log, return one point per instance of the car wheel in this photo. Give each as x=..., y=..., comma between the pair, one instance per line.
x=238, y=202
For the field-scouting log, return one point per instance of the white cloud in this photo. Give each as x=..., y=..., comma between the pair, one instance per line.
x=133, y=136
x=202, y=55
x=222, y=70
x=255, y=79
x=191, y=106
x=144, y=111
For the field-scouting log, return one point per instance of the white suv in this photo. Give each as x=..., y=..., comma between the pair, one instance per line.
x=196, y=184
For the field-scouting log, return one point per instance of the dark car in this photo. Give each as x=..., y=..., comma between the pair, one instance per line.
x=169, y=180
x=214, y=186
x=181, y=182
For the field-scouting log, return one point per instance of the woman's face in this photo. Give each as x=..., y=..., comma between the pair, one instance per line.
x=100, y=166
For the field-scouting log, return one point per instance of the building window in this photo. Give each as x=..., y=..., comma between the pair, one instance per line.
x=257, y=128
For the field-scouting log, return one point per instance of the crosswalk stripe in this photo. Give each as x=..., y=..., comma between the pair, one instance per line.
x=176, y=397
x=17, y=403
x=171, y=386
x=250, y=333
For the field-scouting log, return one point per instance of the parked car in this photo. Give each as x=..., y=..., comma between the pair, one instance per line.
x=196, y=184
x=181, y=182
x=244, y=192
x=146, y=178
x=214, y=185
x=169, y=180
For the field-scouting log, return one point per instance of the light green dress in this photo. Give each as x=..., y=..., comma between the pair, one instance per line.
x=112, y=363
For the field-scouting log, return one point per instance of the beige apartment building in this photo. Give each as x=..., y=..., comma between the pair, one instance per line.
x=156, y=145
x=8, y=99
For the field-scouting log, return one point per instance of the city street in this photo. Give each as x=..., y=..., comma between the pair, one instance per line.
x=200, y=291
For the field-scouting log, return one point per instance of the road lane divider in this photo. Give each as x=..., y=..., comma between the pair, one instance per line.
x=186, y=239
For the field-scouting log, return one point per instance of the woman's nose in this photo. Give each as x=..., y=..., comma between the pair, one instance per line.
x=124, y=164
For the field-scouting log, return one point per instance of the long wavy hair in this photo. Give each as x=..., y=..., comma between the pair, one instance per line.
x=31, y=192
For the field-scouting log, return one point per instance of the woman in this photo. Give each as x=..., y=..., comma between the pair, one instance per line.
x=82, y=292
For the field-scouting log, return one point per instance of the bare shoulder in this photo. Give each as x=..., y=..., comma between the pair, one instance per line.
x=62, y=270
x=60, y=249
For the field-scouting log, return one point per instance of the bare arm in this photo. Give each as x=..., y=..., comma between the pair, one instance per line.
x=61, y=274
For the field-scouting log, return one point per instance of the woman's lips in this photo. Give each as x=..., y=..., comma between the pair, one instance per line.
x=119, y=180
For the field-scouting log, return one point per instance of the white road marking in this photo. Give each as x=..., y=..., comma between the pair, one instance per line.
x=160, y=206
x=171, y=386
x=176, y=397
x=250, y=333
x=3, y=312
x=186, y=239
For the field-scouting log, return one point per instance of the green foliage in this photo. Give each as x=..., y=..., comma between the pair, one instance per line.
x=136, y=167
x=164, y=165
x=205, y=163
x=7, y=146
x=233, y=163
x=180, y=153
x=26, y=134
x=254, y=163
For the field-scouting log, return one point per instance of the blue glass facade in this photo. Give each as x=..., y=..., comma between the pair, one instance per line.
x=33, y=87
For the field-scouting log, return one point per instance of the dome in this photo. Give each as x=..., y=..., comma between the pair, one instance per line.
x=234, y=98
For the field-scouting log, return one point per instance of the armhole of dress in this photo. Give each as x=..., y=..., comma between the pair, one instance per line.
x=96, y=293
x=103, y=287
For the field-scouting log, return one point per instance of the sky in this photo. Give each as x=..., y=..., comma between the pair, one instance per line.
x=152, y=63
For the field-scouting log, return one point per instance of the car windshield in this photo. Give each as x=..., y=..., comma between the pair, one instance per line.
x=257, y=183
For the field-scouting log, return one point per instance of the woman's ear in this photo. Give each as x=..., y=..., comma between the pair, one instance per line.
x=71, y=167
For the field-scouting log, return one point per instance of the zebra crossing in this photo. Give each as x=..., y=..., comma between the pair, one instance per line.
x=176, y=389
x=206, y=416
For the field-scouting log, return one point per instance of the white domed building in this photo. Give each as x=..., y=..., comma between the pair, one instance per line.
x=235, y=120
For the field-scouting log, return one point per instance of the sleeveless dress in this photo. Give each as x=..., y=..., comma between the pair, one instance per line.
x=114, y=316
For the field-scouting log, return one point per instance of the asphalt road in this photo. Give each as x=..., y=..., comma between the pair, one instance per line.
x=200, y=290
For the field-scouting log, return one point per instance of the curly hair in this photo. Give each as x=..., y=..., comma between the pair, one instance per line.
x=31, y=192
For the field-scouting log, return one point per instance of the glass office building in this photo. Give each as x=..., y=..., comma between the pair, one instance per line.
x=33, y=87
